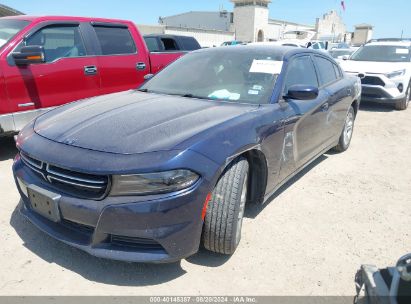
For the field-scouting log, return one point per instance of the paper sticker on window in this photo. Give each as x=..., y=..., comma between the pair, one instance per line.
x=224, y=94
x=266, y=66
x=403, y=51
x=253, y=92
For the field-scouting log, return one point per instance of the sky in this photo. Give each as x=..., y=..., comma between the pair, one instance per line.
x=390, y=17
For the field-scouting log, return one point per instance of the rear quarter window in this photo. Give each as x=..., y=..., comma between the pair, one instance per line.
x=115, y=40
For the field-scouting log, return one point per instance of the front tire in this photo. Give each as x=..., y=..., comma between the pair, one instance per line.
x=224, y=216
x=403, y=105
x=346, y=135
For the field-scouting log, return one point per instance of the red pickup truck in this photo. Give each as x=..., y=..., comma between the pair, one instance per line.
x=49, y=61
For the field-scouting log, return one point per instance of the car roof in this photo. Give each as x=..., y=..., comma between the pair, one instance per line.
x=283, y=52
x=63, y=18
x=167, y=35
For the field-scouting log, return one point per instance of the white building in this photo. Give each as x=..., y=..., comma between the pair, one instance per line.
x=249, y=22
x=363, y=33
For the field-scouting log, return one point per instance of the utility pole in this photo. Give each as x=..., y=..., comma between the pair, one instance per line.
x=402, y=33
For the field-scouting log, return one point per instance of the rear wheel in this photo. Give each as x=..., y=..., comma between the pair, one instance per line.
x=346, y=135
x=403, y=105
x=225, y=212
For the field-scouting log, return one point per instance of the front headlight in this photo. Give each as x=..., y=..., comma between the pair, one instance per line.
x=395, y=74
x=153, y=183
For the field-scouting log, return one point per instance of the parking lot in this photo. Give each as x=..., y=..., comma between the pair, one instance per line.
x=342, y=211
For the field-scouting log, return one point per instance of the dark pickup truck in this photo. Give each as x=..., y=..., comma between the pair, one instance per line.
x=49, y=61
x=171, y=43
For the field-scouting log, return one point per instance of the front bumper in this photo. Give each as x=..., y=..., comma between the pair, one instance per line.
x=379, y=94
x=161, y=228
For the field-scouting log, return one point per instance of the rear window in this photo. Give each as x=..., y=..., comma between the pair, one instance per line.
x=115, y=40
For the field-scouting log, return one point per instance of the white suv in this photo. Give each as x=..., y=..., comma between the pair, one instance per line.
x=384, y=67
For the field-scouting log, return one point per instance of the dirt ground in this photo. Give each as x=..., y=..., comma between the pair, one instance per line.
x=343, y=211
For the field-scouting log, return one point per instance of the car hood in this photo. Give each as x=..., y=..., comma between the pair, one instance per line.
x=133, y=122
x=372, y=67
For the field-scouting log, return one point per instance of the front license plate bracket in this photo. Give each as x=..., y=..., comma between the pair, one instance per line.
x=44, y=202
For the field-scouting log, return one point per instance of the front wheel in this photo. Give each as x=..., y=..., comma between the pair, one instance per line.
x=403, y=104
x=346, y=135
x=225, y=211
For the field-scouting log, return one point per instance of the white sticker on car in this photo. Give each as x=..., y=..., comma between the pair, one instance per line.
x=253, y=92
x=266, y=66
x=224, y=94
x=403, y=51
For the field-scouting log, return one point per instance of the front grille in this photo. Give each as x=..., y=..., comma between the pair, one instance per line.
x=372, y=80
x=77, y=184
x=136, y=243
x=84, y=229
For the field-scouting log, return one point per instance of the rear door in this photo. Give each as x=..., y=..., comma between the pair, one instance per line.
x=122, y=61
x=61, y=79
x=331, y=80
x=304, y=119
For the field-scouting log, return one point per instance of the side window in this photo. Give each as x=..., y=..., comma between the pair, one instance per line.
x=58, y=42
x=327, y=70
x=115, y=40
x=301, y=71
x=169, y=44
x=152, y=44
x=189, y=44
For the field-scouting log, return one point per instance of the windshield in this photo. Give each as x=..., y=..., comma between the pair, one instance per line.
x=382, y=53
x=9, y=28
x=246, y=75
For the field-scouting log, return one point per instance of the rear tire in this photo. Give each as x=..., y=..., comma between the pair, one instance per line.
x=347, y=132
x=403, y=105
x=224, y=216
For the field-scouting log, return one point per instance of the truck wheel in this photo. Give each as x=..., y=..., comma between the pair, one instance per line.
x=403, y=105
x=224, y=216
x=346, y=135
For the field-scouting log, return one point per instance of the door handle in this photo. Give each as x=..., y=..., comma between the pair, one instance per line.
x=141, y=66
x=90, y=70
x=325, y=107
x=349, y=91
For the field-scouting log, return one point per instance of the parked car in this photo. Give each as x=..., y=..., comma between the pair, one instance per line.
x=148, y=175
x=234, y=42
x=171, y=43
x=391, y=285
x=338, y=45
x=341, y=54
x=48, y=61
x=385, y=71
x=288, y=42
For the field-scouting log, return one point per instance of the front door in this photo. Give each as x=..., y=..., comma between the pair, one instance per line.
x=304, y=119
x=67, y=75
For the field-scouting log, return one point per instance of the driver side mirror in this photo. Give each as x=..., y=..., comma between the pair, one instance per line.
x=345, y=57
x=302, y=92
x=29, y=55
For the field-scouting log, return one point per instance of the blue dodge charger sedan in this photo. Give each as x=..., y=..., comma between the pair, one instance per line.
x=150, y=175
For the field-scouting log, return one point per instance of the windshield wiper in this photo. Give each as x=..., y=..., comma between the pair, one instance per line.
x=143, y=90
x=189, y=95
